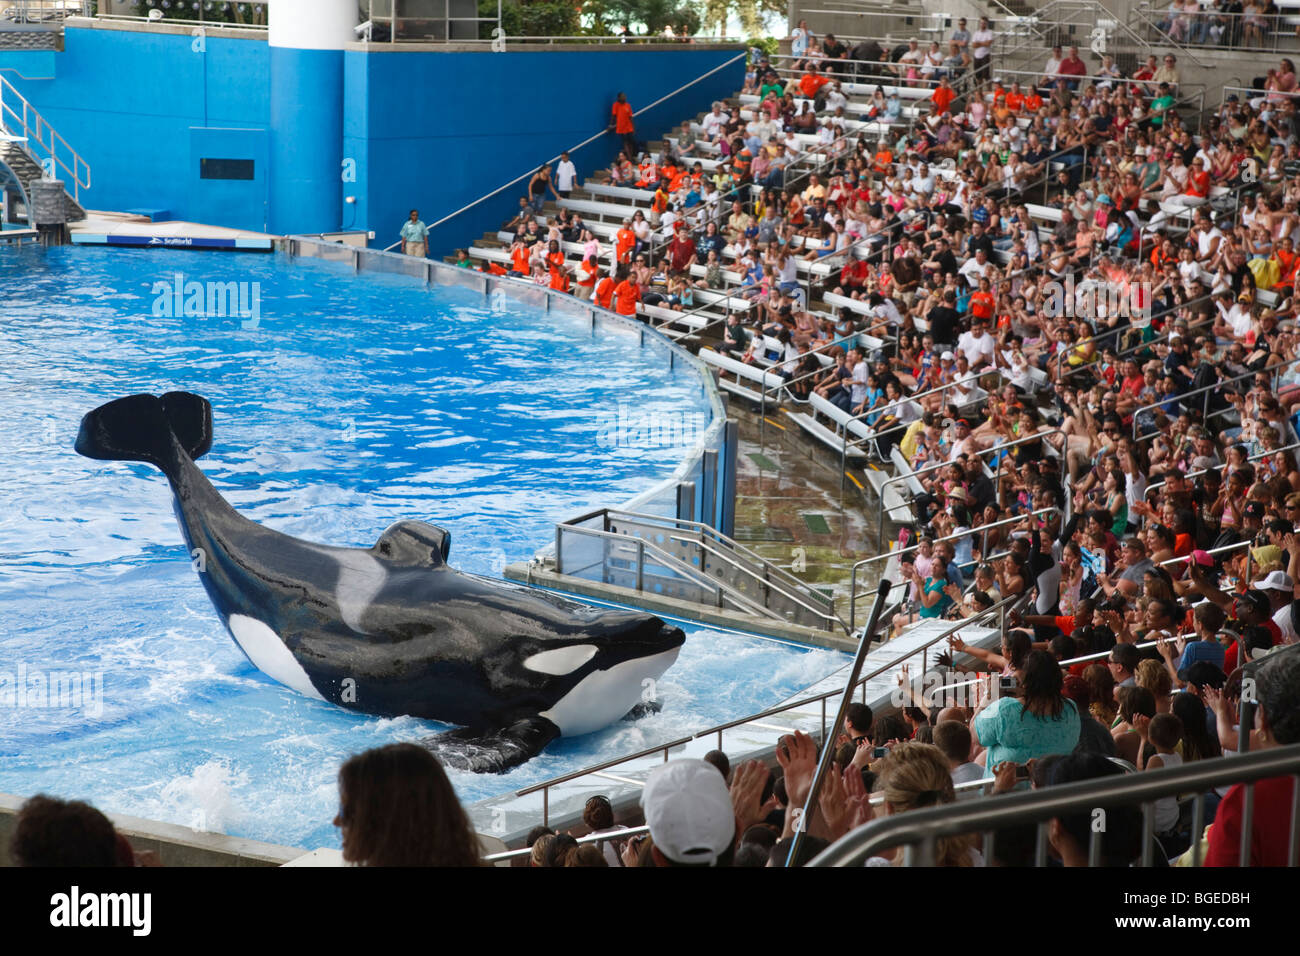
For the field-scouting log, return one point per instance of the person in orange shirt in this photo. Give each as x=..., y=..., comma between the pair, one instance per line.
x=982, y=302
x=1288, y=259
x=812, y=82
x=660, y=201
x=554, y=256
x=559, y=278
x=627, y=295
x=1015, y=99
x=519, y=257
x=624, y=242
x=943, y=95
x=648, y=174
x=605, y=292
x=1033, y=102
x=624, y=125
x=587, y=272
x=884, y=158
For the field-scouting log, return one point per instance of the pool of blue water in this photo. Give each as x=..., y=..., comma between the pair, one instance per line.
x=354, y=401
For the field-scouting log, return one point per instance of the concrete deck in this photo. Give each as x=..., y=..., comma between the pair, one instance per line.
x=126, y=229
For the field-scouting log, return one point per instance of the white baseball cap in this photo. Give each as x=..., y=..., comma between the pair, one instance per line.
x=1275, y=581
x=689, y=811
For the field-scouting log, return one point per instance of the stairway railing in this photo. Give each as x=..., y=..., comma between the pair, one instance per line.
x=22, y=122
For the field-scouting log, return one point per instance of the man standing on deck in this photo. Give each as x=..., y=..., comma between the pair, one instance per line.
x=415, y=236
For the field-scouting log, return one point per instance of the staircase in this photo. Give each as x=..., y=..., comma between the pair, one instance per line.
x=672, y=564
x=29, y=144
x=14, y=155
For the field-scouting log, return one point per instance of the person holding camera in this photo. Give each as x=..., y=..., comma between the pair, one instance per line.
x=1029, y=719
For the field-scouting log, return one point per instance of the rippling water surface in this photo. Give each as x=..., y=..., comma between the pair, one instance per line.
x=356, y=401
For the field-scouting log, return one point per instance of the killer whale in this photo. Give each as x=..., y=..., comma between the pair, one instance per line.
x=391, y=629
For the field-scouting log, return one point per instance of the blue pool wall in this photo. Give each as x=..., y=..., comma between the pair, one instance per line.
x=395, y=128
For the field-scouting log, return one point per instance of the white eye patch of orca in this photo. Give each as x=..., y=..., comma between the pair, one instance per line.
x=269, y=655
x=604, y=696
x=561, y=660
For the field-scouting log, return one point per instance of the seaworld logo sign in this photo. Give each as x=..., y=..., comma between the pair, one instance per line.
x=207, y=300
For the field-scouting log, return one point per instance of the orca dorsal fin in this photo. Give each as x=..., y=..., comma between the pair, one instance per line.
x=414, y=543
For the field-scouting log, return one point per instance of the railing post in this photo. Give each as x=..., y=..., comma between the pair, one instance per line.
x=640, y=564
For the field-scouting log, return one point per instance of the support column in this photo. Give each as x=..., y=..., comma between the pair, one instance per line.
x=306, y=40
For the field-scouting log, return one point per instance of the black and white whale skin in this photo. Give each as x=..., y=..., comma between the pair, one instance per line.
x=391, y=629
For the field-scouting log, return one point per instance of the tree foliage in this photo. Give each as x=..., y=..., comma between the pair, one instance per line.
x=750, y=13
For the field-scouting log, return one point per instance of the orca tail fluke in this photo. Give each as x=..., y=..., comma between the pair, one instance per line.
x=495, y=751
x=140, y=428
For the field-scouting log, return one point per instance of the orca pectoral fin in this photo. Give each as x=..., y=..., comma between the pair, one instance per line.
x=494, y=751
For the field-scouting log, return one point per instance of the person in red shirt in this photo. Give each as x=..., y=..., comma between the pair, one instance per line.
x=854, y=275
x=1073, y=66
x=554, y=255
x=627, y=295
x=1277, y=689
x=681, y=249
x=624, y=125
x=1198, y=179
x=943, y=95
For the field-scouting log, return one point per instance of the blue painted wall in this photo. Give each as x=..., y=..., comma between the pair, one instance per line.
x=127, y=102
x=427, y=129
x=487, y=118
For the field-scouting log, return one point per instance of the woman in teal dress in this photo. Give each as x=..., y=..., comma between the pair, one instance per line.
x=1032, y=722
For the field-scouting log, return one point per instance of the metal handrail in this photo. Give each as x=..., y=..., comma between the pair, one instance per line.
x=880, y=505
x=1060, y=356
x=1274, y=369
x=590, y=139
x=545, y=786
x=34, y=126
x=1196, y=474
x=925, y=827
x=837, y=343
x=700, y=528
x=828, y=616
x=582, y=841
x=694, y=574
x=853, y=574
x=1212, y=551
x=1014, y=519
x=841, y=712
